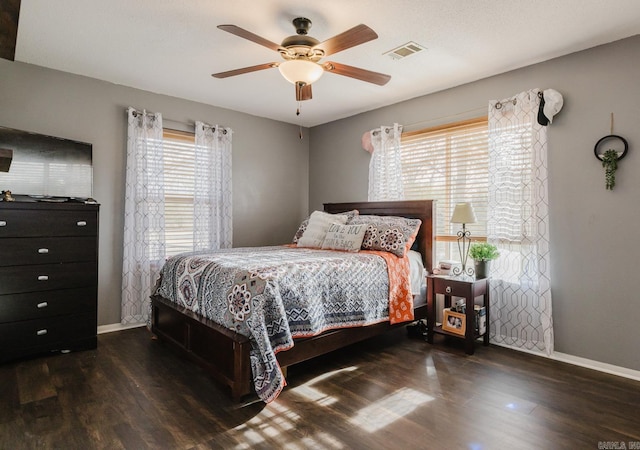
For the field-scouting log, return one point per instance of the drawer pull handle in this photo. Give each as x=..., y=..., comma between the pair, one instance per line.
x=43, y=250
x=448, y=289
x=43, y=277
x=41, y=332
x=81, y=223
x=3, y=223
x=42, y=305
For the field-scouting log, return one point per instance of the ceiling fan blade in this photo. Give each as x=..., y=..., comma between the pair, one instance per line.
x=354, y=72
x=350, y=38
x=303, y=92
x=241, y=32
x=232, y=73
x=9, y=13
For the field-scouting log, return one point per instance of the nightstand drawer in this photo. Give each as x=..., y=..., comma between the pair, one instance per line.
x=21, y=251
x=39, y=305
x=450, y=287
x=44, y=277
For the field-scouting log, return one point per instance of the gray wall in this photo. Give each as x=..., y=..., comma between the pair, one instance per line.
x=270, y=162
x=278, y=178
x=596, y=303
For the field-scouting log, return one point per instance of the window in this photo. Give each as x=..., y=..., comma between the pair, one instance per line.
x=179, y=187
x=450, y=164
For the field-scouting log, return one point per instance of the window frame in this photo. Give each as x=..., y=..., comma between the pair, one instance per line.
x=448, y=132
x=175, y=246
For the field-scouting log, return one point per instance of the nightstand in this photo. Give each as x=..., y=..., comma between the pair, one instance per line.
x=468, y=288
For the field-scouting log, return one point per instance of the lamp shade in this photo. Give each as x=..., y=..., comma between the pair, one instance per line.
x=463, y=213
x=300, y=70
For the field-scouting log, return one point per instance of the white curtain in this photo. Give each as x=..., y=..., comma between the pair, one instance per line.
x=518, y=223
x=144, y=248
x=213, y=208
x=385, y=167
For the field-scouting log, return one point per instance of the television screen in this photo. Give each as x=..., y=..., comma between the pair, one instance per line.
x=45, y=166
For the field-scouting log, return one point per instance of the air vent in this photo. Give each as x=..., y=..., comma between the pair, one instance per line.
x=408, y=49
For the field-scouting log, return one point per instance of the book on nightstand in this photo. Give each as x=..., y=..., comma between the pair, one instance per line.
x=481, y=319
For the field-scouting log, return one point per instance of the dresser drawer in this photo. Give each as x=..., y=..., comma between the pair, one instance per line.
x=45, y=277
x=28, y=223
x=38, y=305
x=52, y=334
x=19, y=251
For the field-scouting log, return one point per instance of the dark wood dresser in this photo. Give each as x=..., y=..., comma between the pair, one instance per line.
x=48, y=278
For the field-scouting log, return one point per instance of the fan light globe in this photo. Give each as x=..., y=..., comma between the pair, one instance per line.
x=300, y=70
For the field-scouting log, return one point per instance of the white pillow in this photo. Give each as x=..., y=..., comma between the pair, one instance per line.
x=417, y=271
x=344, y=237
x=319, y=222
x=303, y=226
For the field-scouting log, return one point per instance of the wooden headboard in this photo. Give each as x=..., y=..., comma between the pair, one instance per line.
x=424, y=210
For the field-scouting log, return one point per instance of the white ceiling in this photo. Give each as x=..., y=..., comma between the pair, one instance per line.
x=173, y=46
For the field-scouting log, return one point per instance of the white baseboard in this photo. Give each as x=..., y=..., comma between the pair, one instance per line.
x=118, y=327
x=596, y=365
x=582, y=362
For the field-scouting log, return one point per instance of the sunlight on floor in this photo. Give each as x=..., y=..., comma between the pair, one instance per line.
x=274, y=419
x=431, y=367
x=318, y=441
x=389, y=409
x=311, y=393
x=271, y=421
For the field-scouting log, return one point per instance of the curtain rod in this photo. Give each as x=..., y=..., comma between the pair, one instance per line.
x=137, y=112
x=438, y=119
x=377, y=131
x=500, y=104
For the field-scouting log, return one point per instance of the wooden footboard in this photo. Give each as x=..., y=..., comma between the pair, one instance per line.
x=224, y=354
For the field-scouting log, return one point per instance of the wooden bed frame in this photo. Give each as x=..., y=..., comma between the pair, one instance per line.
x=224, y=354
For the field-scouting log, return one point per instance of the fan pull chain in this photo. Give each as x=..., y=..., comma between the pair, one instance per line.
x=298, y=114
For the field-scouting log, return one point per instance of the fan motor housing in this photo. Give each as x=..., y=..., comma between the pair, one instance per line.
x=300, y=40
x=300, y=45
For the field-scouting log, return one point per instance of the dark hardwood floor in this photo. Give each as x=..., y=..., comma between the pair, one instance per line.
x=388, y=392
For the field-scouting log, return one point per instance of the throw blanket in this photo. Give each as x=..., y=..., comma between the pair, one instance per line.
x=275, y=294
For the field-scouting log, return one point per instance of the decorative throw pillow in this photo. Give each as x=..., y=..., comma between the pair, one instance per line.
x=303, y=226
x=388, y=233
x=344, y=237
x=317, y=227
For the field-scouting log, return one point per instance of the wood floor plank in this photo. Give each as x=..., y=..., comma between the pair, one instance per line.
x=387, y=392
x=34, y=382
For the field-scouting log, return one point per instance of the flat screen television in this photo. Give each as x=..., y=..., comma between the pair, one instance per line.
x=41, y=166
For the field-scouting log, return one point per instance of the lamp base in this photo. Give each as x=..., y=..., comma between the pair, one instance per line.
x=463, y=271
x=464, y=242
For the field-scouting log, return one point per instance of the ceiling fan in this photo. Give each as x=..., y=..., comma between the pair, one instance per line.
x=302, y=54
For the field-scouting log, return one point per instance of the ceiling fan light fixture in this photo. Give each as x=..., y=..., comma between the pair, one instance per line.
x=300, y=71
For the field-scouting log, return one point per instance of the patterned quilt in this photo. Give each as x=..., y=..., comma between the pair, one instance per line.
x=275, y=294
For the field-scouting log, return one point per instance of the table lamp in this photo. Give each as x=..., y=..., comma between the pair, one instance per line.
x=463, y=213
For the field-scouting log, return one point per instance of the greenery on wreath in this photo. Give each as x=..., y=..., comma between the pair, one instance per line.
x=483, y=251
x=610, y=164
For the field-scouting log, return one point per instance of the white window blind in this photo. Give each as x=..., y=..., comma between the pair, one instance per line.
x=179, y=176
x=449, y=164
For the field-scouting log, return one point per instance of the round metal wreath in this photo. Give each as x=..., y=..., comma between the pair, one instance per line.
x=606, y=138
